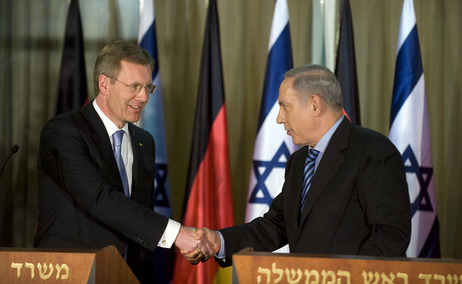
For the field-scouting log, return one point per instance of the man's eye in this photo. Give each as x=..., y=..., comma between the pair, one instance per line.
x=134, y=87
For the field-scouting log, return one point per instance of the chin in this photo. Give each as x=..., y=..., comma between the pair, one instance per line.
x=134, y=119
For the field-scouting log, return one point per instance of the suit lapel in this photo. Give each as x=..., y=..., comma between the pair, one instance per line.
x=331, y=161
x=293, y=183
x=102, y=143
x=142, y=179
x=137, y=147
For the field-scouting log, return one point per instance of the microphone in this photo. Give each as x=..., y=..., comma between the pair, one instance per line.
x=13, y=150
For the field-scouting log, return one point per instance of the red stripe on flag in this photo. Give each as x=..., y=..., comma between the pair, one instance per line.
x=210, y=200
x=346, y=114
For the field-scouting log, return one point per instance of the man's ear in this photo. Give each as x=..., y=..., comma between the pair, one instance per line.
x=103, y=84
x=315, y=103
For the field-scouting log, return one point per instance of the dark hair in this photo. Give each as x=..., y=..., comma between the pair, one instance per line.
x=316, y=79
x=109, y=59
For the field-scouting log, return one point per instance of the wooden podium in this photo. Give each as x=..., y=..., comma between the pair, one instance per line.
x=22, y=265
x=257, y=267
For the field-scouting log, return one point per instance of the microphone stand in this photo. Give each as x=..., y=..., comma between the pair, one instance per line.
x=13, y=150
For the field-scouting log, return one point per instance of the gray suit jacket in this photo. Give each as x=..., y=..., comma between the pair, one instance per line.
x=358, y=202
x=81, y=199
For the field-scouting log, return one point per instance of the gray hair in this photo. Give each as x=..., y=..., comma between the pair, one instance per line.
x=316, y=79
x=109, y=59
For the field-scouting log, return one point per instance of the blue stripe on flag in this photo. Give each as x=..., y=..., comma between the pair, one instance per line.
x=408, y=72
x=150, y=45
x=279, y=61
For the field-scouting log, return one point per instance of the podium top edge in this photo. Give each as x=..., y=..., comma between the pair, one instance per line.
x=63, y=250
x=251, y=252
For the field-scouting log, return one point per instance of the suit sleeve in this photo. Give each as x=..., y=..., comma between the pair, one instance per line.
x=266, y=233
x=71, y=159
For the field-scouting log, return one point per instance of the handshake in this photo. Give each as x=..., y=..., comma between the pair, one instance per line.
x=197, y=245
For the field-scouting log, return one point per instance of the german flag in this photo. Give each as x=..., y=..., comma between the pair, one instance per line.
x=345, y=67
x=208, y=199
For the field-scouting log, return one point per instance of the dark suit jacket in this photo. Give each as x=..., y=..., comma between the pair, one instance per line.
x=358, y=202
x=81, y=199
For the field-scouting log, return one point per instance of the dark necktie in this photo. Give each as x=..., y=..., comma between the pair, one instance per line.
x=308, y=174
x=117, y=140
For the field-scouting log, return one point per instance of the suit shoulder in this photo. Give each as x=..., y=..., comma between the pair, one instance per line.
x=66, y=121
x=366, y=133
x=365, y=136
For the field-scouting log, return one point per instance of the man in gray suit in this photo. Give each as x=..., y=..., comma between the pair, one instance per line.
x=357, y=201
x=90, y=195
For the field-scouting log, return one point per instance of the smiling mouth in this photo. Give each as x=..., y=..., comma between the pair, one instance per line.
x=135, y=107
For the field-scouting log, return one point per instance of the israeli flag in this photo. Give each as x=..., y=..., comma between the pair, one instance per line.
x=152, y=117
x=273, y=146
x=410, y=132
x=152, y=120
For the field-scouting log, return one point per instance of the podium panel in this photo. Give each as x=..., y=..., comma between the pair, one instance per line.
x=258, y=267
x=22, y=265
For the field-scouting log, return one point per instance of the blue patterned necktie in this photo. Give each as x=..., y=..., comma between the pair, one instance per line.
x=308, y=173
x=117, y=140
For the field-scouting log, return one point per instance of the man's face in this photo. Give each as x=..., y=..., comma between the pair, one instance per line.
x=295, y=116
x=123, y=104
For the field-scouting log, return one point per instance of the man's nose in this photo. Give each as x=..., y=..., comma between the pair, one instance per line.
x=143, y=95
x=280, y=118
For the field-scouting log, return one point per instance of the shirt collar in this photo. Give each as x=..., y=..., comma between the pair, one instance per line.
x=111, y=128
x=324, y=141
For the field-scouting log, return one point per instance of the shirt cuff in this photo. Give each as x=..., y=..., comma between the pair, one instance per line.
x=170, y=234
x=221, y=253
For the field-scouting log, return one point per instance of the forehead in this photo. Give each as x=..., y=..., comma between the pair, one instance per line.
x=286, y=92
x=128, y=66
x=136, y=71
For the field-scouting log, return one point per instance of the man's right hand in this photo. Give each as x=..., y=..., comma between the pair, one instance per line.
x=188, y=244
x=208, y=236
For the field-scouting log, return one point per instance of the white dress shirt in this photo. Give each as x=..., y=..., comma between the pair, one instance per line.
x=173, y=227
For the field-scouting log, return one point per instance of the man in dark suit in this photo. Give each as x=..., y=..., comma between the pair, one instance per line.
x=86, y=199
x=358, y=200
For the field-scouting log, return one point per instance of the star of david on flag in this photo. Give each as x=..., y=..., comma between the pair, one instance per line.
x=410, y=132
x=424, y=175
x=263, y=169
x=272, y=145
x=161, y=198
